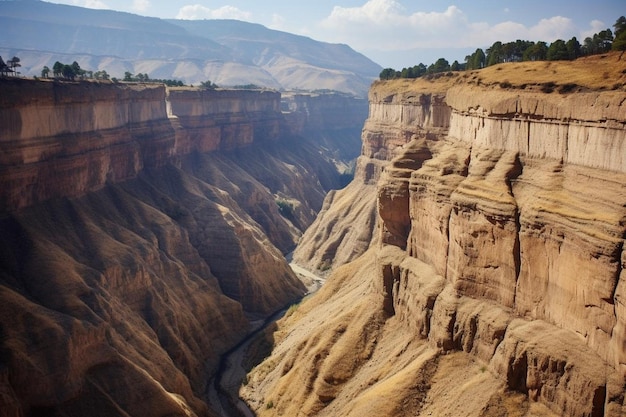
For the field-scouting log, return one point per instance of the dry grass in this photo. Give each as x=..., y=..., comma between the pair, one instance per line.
x=436, y=84
x=598, y=72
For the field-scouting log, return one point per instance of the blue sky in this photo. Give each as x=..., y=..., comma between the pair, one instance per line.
x=397, y=33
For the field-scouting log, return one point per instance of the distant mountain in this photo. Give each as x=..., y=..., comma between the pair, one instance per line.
x=227, y=52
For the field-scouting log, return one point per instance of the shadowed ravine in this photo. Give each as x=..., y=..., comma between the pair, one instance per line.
x=223, y=388
x=137, y=240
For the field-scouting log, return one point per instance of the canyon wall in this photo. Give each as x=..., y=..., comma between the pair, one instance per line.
x=61, y=141
x=493, y=283
x=139, y=237
x=65, y=140
x=344, y=227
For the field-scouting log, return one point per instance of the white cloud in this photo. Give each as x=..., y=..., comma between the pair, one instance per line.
x=556, y=27
x=91, y=4
x=595, y=26
x=197, y=11
x=278, y=22
x=141, y=5
x=374, y=11
x=387, y=25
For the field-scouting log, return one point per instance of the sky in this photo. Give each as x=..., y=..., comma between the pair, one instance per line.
x=397, y=33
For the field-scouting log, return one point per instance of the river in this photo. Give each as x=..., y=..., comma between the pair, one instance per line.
x=223, y=389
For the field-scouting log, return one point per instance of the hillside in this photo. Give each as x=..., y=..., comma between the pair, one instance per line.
x=226, y=52
x=477, y=259
x=598, y=72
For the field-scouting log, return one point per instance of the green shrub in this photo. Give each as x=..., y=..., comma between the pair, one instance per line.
x=285, y=208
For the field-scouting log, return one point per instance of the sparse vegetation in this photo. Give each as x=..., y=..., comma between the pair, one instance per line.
x=292, y=309
x=285, y=208
x=548, y=87
x=9, y=67
x=324, y=265
x=208, y=85
x=248, y=87
x=144, y=78
x=521, y=50
x=567, y=88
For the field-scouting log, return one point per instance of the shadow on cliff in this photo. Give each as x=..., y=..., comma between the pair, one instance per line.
x=147, y=281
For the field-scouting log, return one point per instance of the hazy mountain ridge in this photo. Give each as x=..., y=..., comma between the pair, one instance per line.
x=227, y=52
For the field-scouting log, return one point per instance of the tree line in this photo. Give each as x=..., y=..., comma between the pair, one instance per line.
x=520, y=50
x=73, y=71
x=9, y=67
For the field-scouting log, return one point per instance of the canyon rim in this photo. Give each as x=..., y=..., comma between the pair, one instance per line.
x=476, y=261
x=477, y=258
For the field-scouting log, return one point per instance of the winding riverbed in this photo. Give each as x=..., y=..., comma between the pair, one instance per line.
x=223, y=389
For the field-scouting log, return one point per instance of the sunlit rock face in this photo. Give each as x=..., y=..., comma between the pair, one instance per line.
x=345, y=226
x=59, y=140
x=497, y=257
x=139, y=234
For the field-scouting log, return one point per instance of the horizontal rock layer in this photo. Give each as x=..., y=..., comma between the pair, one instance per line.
x=66, y=139
x=501, y=227
x=583, y=129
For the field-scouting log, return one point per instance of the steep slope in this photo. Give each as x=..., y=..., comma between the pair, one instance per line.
x=224, y=51
x=345, y=226
x=136, y=245
x=494, y=282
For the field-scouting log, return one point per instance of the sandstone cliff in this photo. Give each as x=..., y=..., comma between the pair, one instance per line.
x=345, y=226
x=139, y=234
x=493, y=284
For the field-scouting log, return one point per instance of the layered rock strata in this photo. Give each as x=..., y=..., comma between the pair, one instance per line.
x=136, y=244
x=393, y=120
x=65, y=141
x=498, y=258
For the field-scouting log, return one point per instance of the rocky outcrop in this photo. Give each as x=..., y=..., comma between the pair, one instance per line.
x=64, y=140
x=344, y=228
x=136, y=244
x=582, y=129
x=498, y=258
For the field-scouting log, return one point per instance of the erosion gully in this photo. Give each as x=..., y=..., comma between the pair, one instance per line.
x=223, y=389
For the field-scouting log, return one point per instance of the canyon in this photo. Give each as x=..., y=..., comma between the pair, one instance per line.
x=473, y=266
x=476, y=260
x=142, y=232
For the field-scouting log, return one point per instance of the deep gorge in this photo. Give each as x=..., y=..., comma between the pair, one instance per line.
x=141, y=234
x=476, y=261
x=482, y=274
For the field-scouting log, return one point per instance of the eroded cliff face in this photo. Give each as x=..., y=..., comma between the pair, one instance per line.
x=344, y=227
x=494, y=281
x=139, y=234
x=61, y=141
